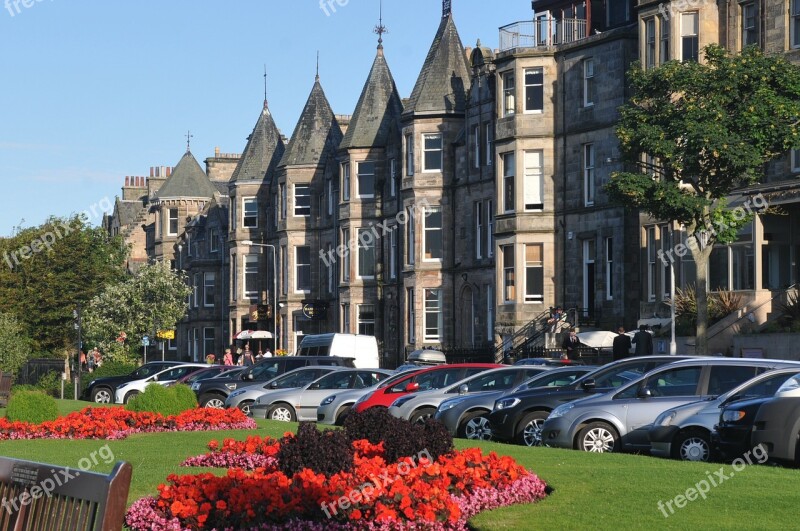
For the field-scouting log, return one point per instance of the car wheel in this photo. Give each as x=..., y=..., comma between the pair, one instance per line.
x=130, y=396
x=245, y=406
x=421, y=416
x=212, y=401
x=692, y=445
x=341, y=415
x=476, y=427
x=281, y=412
x=598, y=437
x=529, y=432
x=102, y=395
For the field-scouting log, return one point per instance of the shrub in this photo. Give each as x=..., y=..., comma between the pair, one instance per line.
x=400, y=437
x=31, y=406
x=326, y=452
x=165, y=400
x=50, y=383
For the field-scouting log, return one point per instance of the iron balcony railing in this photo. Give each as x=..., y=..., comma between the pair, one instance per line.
x=542, y=32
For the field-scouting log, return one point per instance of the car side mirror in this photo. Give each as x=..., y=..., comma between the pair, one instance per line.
x=249, y=375
x=463, y=389
x=644, y=392
x=273, y=385
x=589, y=384
x=410, y=388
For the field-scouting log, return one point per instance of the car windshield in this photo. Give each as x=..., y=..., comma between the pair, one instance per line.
x=552, y=379
x=147, y=370
x=298, y=379
x=790, y=385
x=766, y=386
x=201, y=375
x=496, y=381
x=393, y=378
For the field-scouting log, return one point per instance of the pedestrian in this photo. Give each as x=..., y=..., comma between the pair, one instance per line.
x=227, y=358
x=83, y=361
x=90, y=362
x=622, y=345
x=98, y=359
x=247, y=358
x=643, y=341
x=260, y=354
x=268, y=353
x=570, y=345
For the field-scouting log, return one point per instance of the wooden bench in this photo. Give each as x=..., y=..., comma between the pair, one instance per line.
x=41, y=497
x=6, y=379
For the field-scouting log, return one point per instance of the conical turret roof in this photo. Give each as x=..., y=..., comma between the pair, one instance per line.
x=317, y=132
x=263, y=151
x=187, y=180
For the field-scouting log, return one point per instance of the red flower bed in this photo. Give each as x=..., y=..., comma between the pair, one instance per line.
x=413, y=493
x=118, y=423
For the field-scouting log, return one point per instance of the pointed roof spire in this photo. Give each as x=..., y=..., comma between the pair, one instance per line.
x=316, y=134
x=447, y=8
x=444, y=78
x=380, y=29
x=378, y=110
x=265, y=86
x=317, y=78
x=187, y=180
x=189, y=137
x=263, y=151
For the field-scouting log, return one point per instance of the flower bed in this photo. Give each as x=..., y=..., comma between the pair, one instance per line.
x=118, y=423
x=412, y=493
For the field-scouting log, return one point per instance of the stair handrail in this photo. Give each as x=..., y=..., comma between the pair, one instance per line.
x=780, y=294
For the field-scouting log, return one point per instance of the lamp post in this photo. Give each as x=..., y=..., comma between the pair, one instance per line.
x=673, y=346
x=274, y=288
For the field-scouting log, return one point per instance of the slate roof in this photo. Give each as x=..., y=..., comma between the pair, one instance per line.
x=127, y=211
x=444, y=79
x=187, y=180
x=378, y=109
x=317, y=132
x=263, y=151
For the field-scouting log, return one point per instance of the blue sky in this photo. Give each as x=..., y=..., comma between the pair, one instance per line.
x=93, y=91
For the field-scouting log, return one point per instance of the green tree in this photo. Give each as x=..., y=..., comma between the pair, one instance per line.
x=46, y=271
x=155, y=296
x=15, y=345
x=710, y=128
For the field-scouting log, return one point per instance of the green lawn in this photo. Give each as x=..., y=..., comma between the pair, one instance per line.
x=590, y=491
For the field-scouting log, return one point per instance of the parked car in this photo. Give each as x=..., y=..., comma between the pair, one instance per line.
x=554, y=362
x=684, y=432
x=466, y=416
x=363, y=349
x=430, y=378
x=301, y=404
x=608, y=422
x=777, y=424
x=128, y=390
x=245, y=397
x=212, y=393
x=518, y=417
x=210, y=371
x=101, y=390
x=333, y=409
x=421, y=406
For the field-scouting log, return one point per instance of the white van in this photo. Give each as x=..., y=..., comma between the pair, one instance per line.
x=363, y=349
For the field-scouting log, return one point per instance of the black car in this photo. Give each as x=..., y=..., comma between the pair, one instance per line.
x=213, y=392
x=101, y=390
x=731, y=437
x=519, y=417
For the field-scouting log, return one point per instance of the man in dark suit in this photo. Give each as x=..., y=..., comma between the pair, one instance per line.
x=570, y=345
x=643, y=341
x=622, y=345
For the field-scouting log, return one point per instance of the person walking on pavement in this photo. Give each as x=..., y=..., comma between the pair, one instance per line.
x=622, y=345
x=570, y=345
x=643, y=341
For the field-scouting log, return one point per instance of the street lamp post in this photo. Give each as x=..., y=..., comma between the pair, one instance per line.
x=673, y=346
x=274, y=288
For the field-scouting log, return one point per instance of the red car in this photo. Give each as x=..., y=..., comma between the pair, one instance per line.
x=432, y=378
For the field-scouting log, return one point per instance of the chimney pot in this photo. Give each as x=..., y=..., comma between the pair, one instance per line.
x=126, y=181
x=216, y=151
x=138, y=182
x=152, y=171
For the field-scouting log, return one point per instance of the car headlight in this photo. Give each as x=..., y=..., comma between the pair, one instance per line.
x=665, y=419
x=230, y=386
x=328, y=401
x=402, y=400
x=733, y=415
x=506, y=403
x=444, y=406
x=237, y=393
x=123, y=386
x=561, y=410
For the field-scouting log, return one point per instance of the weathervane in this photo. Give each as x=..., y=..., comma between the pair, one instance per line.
x=446, y=8
x=317, y=65
x=189, y=137
x=380, y=29
x=265, y=85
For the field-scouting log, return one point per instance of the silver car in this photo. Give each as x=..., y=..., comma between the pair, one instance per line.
x=301, y=404
x=422, y=405
x=334, y=408
x=609, y=422
x=684, y=432
x=465, y=416
x=246, y=396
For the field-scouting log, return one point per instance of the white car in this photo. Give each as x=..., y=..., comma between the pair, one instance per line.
x=128, y=390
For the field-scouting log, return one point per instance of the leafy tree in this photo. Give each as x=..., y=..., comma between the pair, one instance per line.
x=46, y=271
x=710, y=128
x=155, y=296
x=15, y=346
